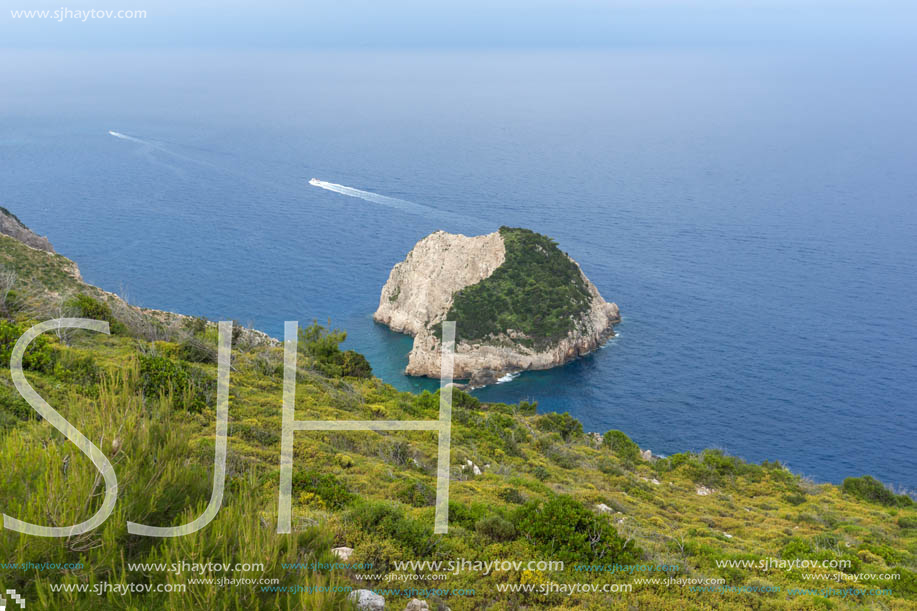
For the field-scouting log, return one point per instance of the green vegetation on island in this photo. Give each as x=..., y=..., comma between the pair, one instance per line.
x=537, y=291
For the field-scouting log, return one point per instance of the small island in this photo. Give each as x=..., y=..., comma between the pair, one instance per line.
x=518, y=301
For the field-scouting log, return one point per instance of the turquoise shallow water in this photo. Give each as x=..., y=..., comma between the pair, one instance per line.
x=752, y=214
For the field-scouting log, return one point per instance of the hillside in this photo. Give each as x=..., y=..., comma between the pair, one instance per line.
x=525, y=486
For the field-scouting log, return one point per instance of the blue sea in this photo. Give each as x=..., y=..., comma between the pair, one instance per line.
x=753, y=212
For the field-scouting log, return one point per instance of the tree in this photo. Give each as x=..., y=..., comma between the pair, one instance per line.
x=322, y=346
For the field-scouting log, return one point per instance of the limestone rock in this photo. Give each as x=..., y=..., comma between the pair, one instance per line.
x=367, y=600
x=419, y=294
x=420, y=288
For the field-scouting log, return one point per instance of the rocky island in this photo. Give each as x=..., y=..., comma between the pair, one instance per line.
x=518, y=301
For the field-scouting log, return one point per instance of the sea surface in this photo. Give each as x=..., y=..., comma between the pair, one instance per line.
x=753, y=213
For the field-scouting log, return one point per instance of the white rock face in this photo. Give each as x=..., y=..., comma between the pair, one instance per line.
x=419, y=293
x=367, y=600
x=343, y=553
x=420, y=288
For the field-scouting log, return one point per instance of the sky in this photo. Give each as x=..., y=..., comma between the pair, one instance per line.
x=460, y=24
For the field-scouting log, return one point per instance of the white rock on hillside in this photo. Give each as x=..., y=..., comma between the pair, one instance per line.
x=367, y=600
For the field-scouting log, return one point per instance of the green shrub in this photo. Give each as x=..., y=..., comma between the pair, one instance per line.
x=465, y=515
x=796, y=547
x=417, y=494
x=496, y=528
x=355, y=365
x=870, y=489
x=13, y=302
x=566, y=425
x=160, y=375
x=13, y=408
x=906, y=522
x=322, y=346
x=511, y=495
x=390, y=521
x=541, y=473
x=89, y=307
x=188, y=388
x=891, y=556
x=610, y=467
x=196, y=325
x=197, y=350
x=777, y=471
x=39, y=356
x=622, y=445
x=795, y=498
x=562, y=458
x=711, y=467
x=324, y=485
x=74, y=368
x=463, y=400
x=566, y=530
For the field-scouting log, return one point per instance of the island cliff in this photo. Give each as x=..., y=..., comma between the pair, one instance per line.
x=518, y=301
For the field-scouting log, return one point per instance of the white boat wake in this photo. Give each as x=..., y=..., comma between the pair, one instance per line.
x=126, y=137
x=149, y=148
x=383, y=200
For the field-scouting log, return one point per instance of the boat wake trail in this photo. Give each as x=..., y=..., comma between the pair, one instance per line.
x=155, y=152
x=391, y=202
x=126, y=137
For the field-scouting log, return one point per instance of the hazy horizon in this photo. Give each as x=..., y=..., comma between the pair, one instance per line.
x=474, y=24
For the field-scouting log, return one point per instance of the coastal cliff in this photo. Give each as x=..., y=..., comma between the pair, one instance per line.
x=38, y=284
x=11, y=226
x=519, y=303
x=523, y=480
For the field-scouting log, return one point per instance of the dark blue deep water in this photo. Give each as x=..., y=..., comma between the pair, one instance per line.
x=753, y=214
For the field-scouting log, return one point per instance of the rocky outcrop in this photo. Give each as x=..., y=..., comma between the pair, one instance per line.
x=13, y=227
x=419, y=293
x=366, y=600
x=420, y=288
